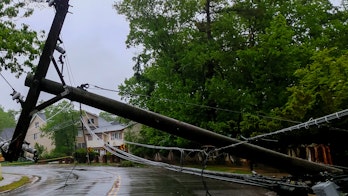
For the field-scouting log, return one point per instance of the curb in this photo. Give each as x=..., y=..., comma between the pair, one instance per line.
x=12, y=178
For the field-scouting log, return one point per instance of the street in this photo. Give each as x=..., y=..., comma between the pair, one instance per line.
x=122, y=181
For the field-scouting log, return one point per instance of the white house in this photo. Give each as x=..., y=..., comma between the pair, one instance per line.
x=111, y=134
x=36, y=136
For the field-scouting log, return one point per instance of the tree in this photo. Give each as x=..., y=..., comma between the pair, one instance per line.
x=62, y=127
x=322, y=88
x=41, y=150
x=7, y=119
x=108, y=116
x=224, y=65
x=17, y=43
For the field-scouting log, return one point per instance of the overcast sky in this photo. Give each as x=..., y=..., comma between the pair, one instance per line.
x=94, y=37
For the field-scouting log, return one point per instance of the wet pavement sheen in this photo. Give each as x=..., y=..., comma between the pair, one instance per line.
x=133, y=181
x=157, y=181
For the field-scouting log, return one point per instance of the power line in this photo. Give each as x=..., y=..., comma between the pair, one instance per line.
x=236, y=178
x=311, y=122
x=162, y=147
x=7, y=81
x=197, y=105
x=215, y=108
x=61, y=110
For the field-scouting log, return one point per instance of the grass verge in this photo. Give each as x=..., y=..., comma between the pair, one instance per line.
x=24, y=180
x=17, y=163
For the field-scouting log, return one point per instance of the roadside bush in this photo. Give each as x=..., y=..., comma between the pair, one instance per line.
x=126, y=164
x=92, y=155
x=81, y=155
x=41, y=150
x=52, y=155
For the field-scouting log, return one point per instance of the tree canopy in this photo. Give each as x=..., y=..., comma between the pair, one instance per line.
x=62, y=127
x=19, y=45
x=7, y=119
x=236, y=67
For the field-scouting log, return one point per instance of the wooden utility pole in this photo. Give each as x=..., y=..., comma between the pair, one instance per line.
x=185, y=130
x=29, y=105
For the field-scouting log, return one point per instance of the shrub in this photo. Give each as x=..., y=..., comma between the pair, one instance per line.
x=81, y=155
x=126, y=164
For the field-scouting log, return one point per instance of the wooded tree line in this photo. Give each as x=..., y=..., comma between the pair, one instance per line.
x=237, y=67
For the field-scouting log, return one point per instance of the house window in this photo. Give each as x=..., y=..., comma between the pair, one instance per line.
x=81, y=145
x=116, y=135
x=119, y=135
x=91, y=121
x=79, y=133
x=89, y=137
x=37, y=124
x=36, y=136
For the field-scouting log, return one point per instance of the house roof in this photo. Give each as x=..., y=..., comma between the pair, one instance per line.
x=117, y=127
x=102, y=122
x=7, y=133
x=41, y=115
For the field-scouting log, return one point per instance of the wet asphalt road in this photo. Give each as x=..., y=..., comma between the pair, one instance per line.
x=94, y=181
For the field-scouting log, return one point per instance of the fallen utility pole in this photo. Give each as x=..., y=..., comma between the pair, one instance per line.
x=28, y=106
x=184, y=130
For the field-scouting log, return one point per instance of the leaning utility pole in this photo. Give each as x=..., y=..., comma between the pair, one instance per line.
x=184, y=130
x=29, y=105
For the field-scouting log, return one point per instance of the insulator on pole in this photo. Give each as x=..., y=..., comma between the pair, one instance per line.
x=15, y=95
x=60, y=49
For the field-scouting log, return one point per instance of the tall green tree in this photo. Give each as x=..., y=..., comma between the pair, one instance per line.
x=62, y=127
x=224, y=65
x=322, y=88
x=19, y=45
x=7, y=119
x=282, y=37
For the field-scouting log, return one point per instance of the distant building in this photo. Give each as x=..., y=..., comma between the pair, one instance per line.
x=111, y=133
x=94, y=122
x=36, y=136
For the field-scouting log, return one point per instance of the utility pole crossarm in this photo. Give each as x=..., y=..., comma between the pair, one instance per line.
x=29, y=105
